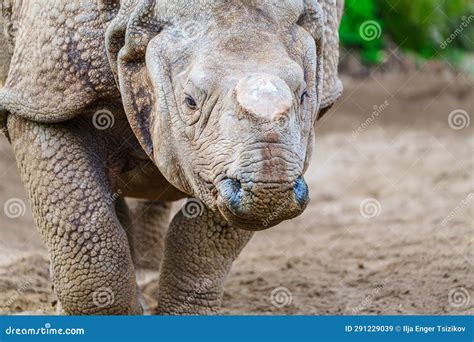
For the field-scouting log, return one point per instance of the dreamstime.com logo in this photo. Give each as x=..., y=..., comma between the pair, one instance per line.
x=46, y=330
x=459, y=119
x=369, y=298
x=370, y=208
x=103, y=297
x=459, y=297
x=370, y=30
x=274, y=214
x=377, y=110
x=464, y=203
x=193, y=208
x=19, y=292
x=199, y=290
x=103, y=119
x=14, y=208
x=281, y=297
x=466, y=21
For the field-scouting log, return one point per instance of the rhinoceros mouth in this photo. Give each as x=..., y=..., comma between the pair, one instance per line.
x=260, y=209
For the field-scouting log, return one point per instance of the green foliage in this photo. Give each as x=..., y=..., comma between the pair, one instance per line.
x=430, y=28
x=356, y=14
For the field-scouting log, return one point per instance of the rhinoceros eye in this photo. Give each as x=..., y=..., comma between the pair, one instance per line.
x=190, y=102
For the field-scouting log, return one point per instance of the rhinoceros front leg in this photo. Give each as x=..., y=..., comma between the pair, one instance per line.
x=149, y=222
x=65, y=178
x=200, y=248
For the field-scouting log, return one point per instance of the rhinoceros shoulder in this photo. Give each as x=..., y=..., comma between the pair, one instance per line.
x=58, y=60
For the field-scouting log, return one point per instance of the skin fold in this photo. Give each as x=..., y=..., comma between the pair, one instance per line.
x=115, y=109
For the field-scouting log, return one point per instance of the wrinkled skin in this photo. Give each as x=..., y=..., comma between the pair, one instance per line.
x=248, y=132
x=213, y=100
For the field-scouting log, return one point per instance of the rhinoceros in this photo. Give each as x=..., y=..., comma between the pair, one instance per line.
x=214, y=101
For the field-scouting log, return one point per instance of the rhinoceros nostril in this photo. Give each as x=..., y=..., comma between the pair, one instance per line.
x=231, y=191
x=301, y=191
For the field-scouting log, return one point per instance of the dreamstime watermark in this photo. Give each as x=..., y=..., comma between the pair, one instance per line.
x=377, y=110
x=201, y=289
x=192, y=30
x=456, y=210
x=103, y=297
x=370, y=208
x=459, y=297
x=370, y=30
x=459, y=119
x=275, y=214
x=464, y=24
x=115, y=196
x=20, y=291
x=46, y=330
x=103, y=119
x=369, y=298
x=193, y=208
x=14, y=208
x=281, y=297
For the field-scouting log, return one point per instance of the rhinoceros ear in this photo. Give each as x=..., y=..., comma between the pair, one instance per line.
x=127, y=39
x=321, y=19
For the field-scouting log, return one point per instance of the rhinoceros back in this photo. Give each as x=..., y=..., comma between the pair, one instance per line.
x=58, y=60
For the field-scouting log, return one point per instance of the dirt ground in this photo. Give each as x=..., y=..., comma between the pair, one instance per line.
x=389, y=229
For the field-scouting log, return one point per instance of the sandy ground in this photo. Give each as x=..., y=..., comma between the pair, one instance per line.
x=389, y=229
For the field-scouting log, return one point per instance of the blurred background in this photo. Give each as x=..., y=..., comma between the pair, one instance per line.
x=389, y=229
x=422, y=29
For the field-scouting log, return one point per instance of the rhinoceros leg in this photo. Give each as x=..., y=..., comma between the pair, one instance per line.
x=69, y=192
x=149, y=222
x=199, y=252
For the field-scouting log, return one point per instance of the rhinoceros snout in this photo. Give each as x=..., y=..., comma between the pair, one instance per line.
x=261, y=206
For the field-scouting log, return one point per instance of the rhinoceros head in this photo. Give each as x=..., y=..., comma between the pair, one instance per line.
x=223, y=96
